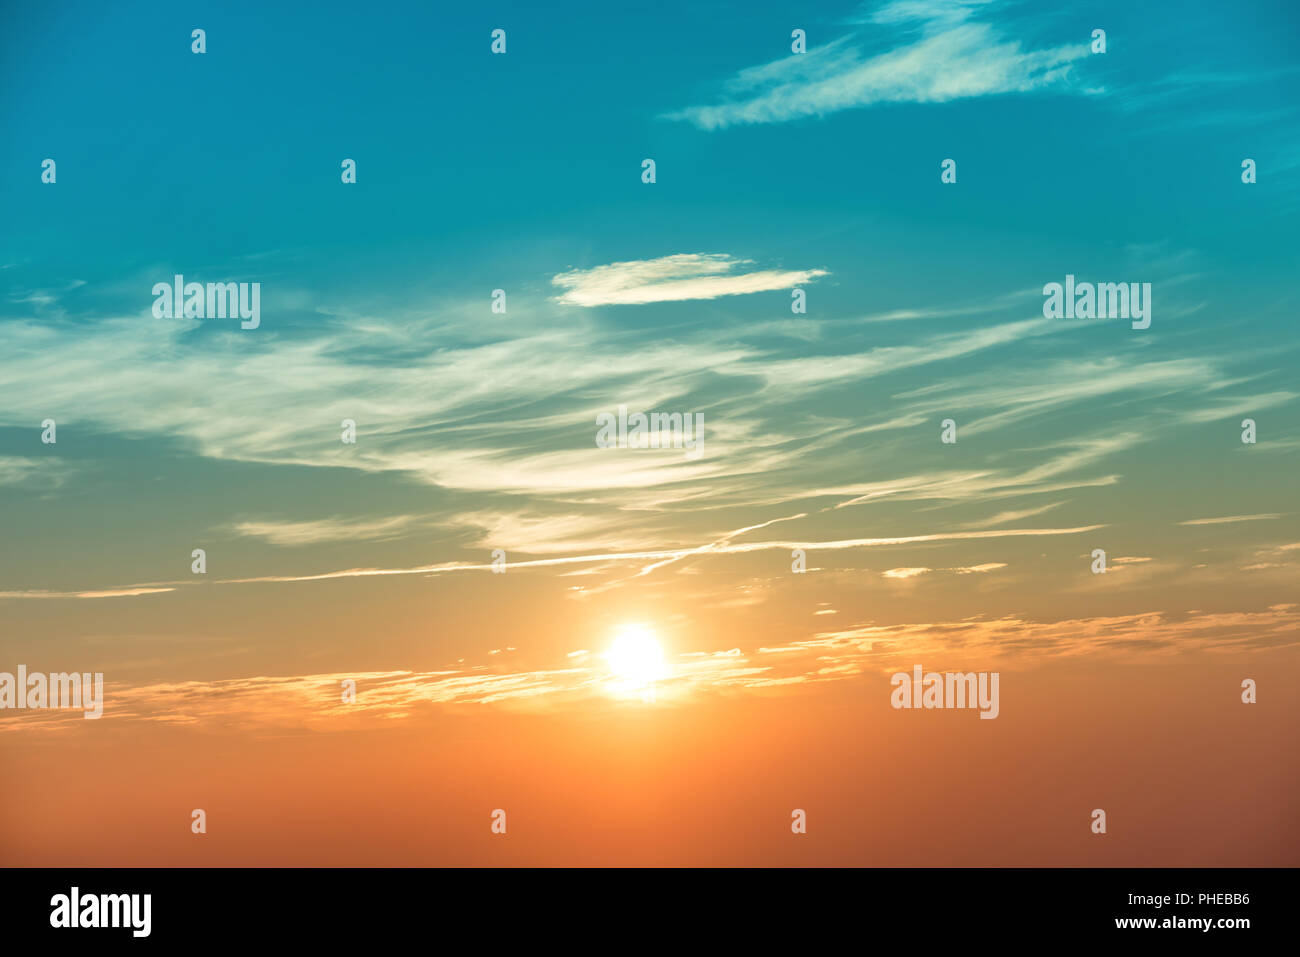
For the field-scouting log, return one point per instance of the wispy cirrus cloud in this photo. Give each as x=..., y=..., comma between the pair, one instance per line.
x=979, y=569
x=444, y=416
x=649, y=559
x=513, y=458
x=903, y=574
x=991, y=639
x=22, y=470
x=326, y=530
x=944, y=54
x=1013, y=515
x=657, y=558
x=127, y=591
x=1226, y=408
x=1231, y=519
x=313, y=701
x=672, y=279
x=539, y=534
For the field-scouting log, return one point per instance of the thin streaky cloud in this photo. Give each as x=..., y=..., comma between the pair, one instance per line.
x=980, y=569
x=944, y=56
x=655, y=557
x=1014, y=515
x=724, y=549
x=312, y=700
x=325, y=530
x=672, y=279
x=20, y=470
x=1228, y=519
x=129, y=591
x=1244, y=405
x=905, y=573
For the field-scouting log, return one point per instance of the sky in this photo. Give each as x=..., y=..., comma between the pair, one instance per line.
x=822, y=537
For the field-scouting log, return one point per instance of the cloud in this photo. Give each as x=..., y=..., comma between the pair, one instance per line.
x=944, y=55
x=905, y=573
x=313, y=701
x=980, y=569
x=127, y=591
x=1060, y=383
x=660, y=557
x=510, y=461
x=1227, y=519
x=817, y=371
x=1275, y=549
x=991, y=483
x=326, y=530
x=22, y=470
x=1013, y=515
x=443, y=413
x=982, y=639
x=536, y=534
x=672, y=279
x=653, y=559
x=445, y=416
x=1233, y=407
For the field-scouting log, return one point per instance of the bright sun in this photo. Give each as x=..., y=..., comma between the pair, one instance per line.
x=636, y=657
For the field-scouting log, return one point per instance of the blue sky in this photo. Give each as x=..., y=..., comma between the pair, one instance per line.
x=469, y=161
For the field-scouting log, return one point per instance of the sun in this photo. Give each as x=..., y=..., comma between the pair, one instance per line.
x=635, y=657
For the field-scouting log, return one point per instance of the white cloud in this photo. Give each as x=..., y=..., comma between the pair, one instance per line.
x=537, y=534
x=657, y=558
x=1013, y=515
x=1228, y=519
x=906, y=572
x=19, y=470
x=945, y=56
x=325, y=530
x=672, y=279
x=980, y=569
x=129, y=591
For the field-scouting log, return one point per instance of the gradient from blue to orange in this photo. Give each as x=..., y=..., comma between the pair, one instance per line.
x=478, y=172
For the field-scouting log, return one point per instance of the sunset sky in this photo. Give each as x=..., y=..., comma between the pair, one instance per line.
x=475, y=431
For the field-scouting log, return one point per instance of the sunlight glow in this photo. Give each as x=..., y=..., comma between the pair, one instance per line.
x=636, y=658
